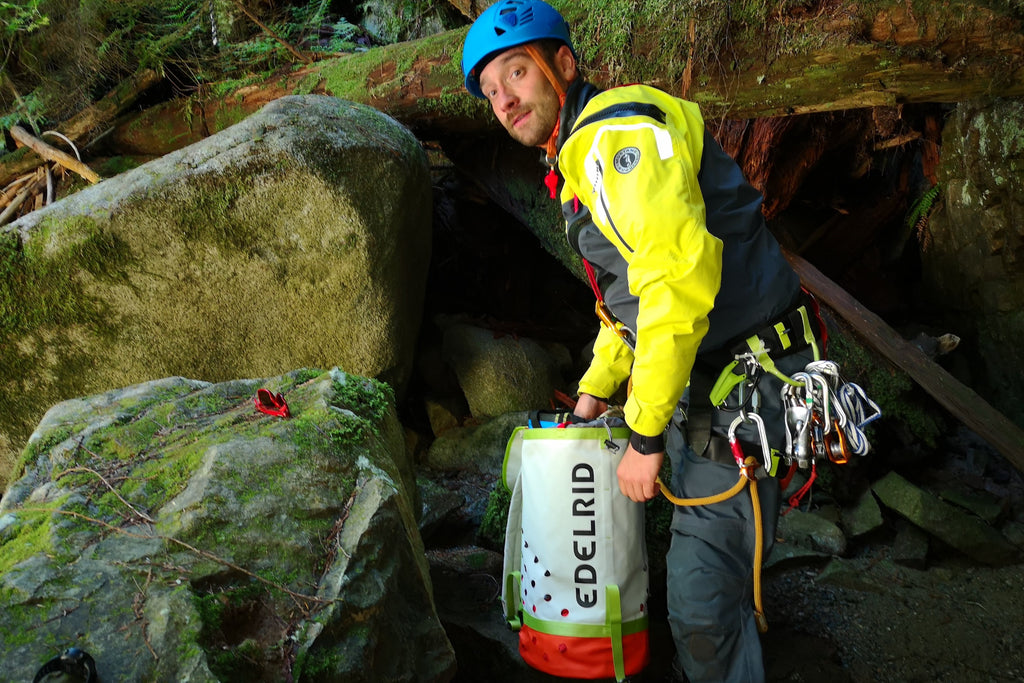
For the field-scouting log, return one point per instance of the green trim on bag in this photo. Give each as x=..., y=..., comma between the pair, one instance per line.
x=513, y=586
x=558, y=628
x=508, y=450
x=613, y=617
x=577, y=433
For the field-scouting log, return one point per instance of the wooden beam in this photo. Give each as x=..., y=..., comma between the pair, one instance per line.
x=960, y=400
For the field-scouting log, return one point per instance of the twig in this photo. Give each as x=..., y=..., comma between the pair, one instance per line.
x=897, y=141
x=285, y=43
x=688, y=71
x=83, y=468
x=297, y=597
x=14, y=205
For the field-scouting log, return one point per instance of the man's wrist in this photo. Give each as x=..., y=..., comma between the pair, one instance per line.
x=647, y=445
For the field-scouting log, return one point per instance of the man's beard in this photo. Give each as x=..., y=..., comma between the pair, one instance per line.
x=537, y=130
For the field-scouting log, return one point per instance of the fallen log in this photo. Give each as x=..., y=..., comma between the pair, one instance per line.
x=961, y=401
x=886, y=58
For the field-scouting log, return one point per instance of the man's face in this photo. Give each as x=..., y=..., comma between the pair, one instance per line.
x=521, y=96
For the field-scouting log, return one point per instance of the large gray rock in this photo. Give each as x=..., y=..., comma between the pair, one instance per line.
x=175, y=533
x=475, y=448
x=299, y=237
x=811, y=531
x=966, y=533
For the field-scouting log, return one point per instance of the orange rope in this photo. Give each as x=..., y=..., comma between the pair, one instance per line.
x=762, y=622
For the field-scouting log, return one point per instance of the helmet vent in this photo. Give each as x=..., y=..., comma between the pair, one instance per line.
x=509, y=17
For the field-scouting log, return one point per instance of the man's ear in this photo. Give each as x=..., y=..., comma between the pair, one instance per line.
x=565, y=63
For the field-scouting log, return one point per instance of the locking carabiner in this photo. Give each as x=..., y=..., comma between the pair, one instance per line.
x=749, y=466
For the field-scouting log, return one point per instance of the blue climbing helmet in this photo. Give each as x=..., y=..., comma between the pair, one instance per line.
x=505, y=24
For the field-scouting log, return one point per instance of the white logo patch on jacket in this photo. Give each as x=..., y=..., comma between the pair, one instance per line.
x=626, y=159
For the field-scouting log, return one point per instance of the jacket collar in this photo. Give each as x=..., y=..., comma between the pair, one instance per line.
x=576, y=97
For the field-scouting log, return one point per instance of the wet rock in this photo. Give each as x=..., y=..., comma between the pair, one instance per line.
x=966, y=533
x=812, y=531
x=862, y=518
x=975, y=232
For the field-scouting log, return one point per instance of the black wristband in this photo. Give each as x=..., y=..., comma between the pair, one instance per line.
x=647, y=444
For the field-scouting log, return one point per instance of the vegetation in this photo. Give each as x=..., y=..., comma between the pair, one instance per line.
x=197, y=45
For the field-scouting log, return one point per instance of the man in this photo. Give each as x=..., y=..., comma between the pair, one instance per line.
x=681, y=256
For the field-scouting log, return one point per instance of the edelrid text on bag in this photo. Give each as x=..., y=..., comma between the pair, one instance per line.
x=576, y=579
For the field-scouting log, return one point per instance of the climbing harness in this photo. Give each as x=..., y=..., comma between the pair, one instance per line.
x=824, y=416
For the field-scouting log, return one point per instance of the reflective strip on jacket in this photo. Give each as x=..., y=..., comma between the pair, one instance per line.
x=643, y=181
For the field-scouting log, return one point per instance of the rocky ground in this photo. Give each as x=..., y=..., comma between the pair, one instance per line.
x=872, y=620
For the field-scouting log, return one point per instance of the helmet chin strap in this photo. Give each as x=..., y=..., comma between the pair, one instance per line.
x=550, y=150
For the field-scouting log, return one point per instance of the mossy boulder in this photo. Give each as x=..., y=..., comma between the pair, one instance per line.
x=298, y=237
x=176, y=533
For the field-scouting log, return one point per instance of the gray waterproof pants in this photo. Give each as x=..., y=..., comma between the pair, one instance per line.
x=710, y=559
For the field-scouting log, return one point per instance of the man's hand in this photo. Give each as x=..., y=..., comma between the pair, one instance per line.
x=589, y=407
x=637, y=473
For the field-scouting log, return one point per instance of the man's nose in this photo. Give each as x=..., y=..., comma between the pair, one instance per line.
x=505, y=100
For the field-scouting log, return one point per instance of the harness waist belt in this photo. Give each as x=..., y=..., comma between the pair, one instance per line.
x=795, y=330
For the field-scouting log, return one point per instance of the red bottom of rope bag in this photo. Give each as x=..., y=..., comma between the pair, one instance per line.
x=572, y=657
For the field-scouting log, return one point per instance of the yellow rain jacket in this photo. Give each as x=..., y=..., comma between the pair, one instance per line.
x=634, y=197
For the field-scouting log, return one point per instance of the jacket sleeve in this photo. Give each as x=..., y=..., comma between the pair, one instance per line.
x=610, y=366
x=639, y=179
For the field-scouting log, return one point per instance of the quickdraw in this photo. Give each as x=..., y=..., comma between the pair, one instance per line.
x=825, y=417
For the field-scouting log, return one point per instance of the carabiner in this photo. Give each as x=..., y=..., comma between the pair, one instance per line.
x=737, y=449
